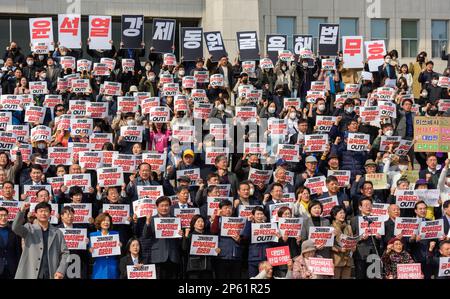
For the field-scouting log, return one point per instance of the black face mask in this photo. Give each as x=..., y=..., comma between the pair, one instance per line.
x=421, y=59
x=245, y=81
x=432, y=112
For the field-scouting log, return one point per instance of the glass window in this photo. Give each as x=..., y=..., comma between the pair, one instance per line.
x=439, y=36
x=348, y=27
x=410, y=36
x=4, y=38
x=379, y=29
x=286, y=25
x=313, y=29
x=21, y=34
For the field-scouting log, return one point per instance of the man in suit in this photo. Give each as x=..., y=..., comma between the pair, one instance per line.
x=387, y=70
x=45, y=251
x=225, y=176
x=183, y=197
x=418, y=248
x=164, y=253
x=367, y=245
x=389, y=225
x=446, y=217
x=143, y=178
x=432, y=172
x=10, y=247
x=276, y=196
x=36, y=178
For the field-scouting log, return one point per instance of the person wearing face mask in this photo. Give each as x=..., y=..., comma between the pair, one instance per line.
x=29, y=71
x=53, y=72
x=386, y=130
x=13, y=52
x=149, y=82
x=344, y=117
x=98, y=54
x=387, y=71
x=416, y=69
x=284, y=76
x=435, y=92
x=219, y=112
x=319, y=109
x=426, y=76
x=305, y=76
x=292, y=120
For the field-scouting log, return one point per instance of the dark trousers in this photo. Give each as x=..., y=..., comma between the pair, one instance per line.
x=360, y=269
x=6, y=274
x=199, y=275
x=253, y=268
x=167, y=270
x=228, y=269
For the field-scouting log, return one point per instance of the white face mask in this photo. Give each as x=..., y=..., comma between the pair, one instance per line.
x=283, y=68
x=181, y=73
x=292, y=115
x=341, y=58
x=221, y=107
x=252, y=191
x=131, y=122
x=305, y=64
x=272, y=110
x=403, y=167
x=41, y=146
x=389, y=133
x=434, y=82
x=148, y=68
x=349, y=109
x=424, y=94
x=30, y=62
x=321, y=108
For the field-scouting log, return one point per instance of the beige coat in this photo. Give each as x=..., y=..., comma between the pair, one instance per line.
x=415, y=69
x=341, y=259
x=30, y=261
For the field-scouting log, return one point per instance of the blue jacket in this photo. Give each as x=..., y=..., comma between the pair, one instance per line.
x=106, y=267
x=257, y=251
x=350, y=160
x=229, y=249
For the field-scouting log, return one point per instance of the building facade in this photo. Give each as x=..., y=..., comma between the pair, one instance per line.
x=410, y=26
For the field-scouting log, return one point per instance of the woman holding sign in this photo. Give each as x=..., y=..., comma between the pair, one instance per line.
x=315, y=209
x=197, y=266
x=342, y=257
x=288, y=238
x=105, y=266
x=395, y=254
x=132, y=258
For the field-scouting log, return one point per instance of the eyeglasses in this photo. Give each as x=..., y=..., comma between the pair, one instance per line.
x=60, y=110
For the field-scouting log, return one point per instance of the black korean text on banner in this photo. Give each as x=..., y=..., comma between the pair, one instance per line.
x=67, y=62
x=81, y=126
x=406, y=226
x=358, y=142
x=186, y=215
x=406, y=199
x=204, y=245
x=192, y=43
x=5, y=119
x=75, y=238
x=302, y=42
x=248, y=45
x=81, y=180
x=90, y=160
x=41, y=35
x=132, y=31
x=156, y=160
x=97, y=109
x=274, y=44
x=22, y=131
x=38, y=87
x=7, y=140
x=163, y=36
x=127, y=104
x=100, y=32
x=105, y=245
x=69, y=31
x=329, y=39
x=132, y=133
x=264, y=232
x=321, y=236
x=110, y=176
x=11, y=102
x=119, y=212
x=51, y=100
x=291, y=227
x=35, y=114
x=126, y=162
x=215, y=45
x=83, y=211
x=60, y=155
x=371, y=225
x=159, y=114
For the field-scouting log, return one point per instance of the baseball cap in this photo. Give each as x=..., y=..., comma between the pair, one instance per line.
x=311, y=159
x=188, y=152
x=370, y=162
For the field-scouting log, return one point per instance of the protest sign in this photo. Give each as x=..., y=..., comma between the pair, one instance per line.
x=379, y=180
x=163, y=36
x=327, y=204
x=406, y=226
x=167, y=227
x=321, y=235
x=358, y=142
x=186, y=215
x=291, y=227
x=380, y=210
x=248, y=45
x=60, y=155
x=289, y=152
x=348, y=242
x=406, y=199
x=69, y=31
x=108, y=245
x=315, y=143
x=145, y=206
x=211, y=153
x=75, y=238
x=321, y=266
x=204, y=245
x=277, y=256
x=83, y=211
x=232, y=226
x=191, y=43
x=193, y=174
x=41, y=35
x=328, y=39
x=100, y=32
x=353, y=53
x=316, y=184
x=110, y=176
x=12, y=206
x=99, y=139
x=119, y=212
x=375, y=52
x=431, y=229
x=144, y=272
x=7, y=140
x=273, y=209
x=132, y=31
x=371, y=225
x=325, y=123
x=343, y=177
x=431, y=134
x=369, y=114
x=132, y=133
x=409, y=271
x=264, y=232
x=444, y=267
x=257, y=176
